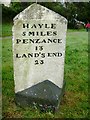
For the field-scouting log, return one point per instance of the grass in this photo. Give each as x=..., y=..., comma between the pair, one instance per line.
x=6, y=29
x=75, y=101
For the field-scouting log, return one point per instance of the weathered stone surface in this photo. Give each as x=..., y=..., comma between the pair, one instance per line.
x=38, y=47
x=46, y=95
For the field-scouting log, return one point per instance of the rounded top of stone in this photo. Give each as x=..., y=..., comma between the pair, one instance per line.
x=36, y=11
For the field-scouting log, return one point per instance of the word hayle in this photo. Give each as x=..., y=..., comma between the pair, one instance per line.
x=38, y=25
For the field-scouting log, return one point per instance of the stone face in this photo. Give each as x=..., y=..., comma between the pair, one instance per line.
x=38, y=51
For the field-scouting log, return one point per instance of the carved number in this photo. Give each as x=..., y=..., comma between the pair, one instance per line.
x=39, y=62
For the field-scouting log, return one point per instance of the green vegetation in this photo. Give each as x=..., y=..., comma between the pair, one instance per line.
x=70, y=10
x=75, y=101
x=6, y=29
